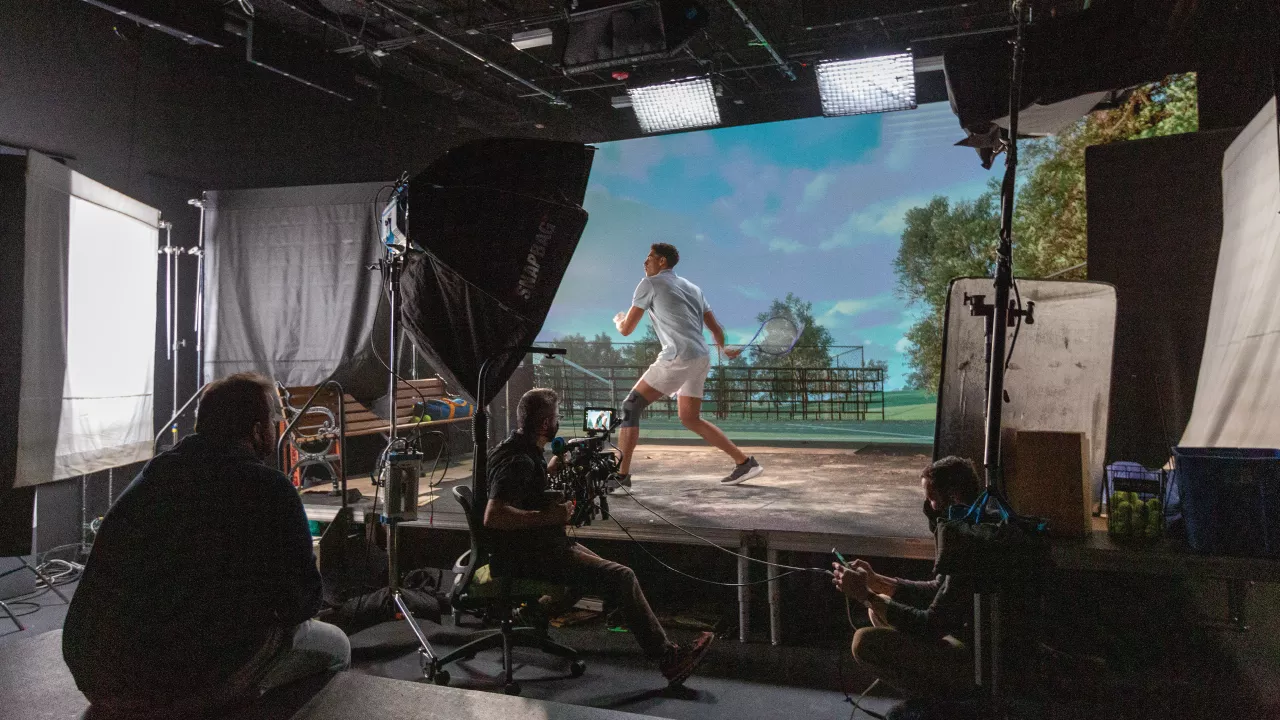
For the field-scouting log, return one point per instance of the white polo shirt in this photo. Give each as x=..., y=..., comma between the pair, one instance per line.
x=676, y=307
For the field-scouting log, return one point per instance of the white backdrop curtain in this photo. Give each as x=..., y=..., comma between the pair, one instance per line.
x=1238, y=392
x=88, y=326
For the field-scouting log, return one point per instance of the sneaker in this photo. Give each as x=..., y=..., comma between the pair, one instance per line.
x=616, y=481
x=680, y=664
x=743, y=472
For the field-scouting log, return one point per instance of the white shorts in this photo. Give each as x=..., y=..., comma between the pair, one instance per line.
x=684, y=378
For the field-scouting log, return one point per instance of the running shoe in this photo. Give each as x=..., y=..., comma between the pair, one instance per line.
x=681, y=662
x=743, y=472
x=616, y=481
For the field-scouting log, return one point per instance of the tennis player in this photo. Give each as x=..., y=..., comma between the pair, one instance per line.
x=678, y=311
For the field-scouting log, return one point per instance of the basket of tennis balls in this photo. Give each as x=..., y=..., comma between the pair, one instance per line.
x=1135, y=506
x=1132, y=517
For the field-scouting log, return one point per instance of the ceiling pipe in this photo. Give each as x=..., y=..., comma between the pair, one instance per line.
x=777, y=59
x=432, y=32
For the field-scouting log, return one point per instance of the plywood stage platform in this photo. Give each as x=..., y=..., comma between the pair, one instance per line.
x=867, y=497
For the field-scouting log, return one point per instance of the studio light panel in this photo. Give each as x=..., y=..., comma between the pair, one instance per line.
x=867, y=85
x=675, y=105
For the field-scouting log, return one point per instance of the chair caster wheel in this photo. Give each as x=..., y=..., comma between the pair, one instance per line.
x=577, y=668
x=511, y=688
x=441, y=677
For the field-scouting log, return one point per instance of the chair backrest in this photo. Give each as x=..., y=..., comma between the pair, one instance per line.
x=479, y=548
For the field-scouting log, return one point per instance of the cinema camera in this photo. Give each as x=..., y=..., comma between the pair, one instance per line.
x=587, y=463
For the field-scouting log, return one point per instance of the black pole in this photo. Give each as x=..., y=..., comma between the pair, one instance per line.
x=1004, y=269
x=986, y=604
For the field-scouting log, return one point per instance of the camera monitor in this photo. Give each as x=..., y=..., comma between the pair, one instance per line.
x=596, y=419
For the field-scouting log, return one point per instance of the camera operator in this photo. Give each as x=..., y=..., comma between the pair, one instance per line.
x=528, y=535
x=920, y=635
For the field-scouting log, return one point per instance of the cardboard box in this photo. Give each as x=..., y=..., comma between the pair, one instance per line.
x=1047, y=475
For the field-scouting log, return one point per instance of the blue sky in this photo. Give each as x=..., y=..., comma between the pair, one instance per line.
x=812, y=207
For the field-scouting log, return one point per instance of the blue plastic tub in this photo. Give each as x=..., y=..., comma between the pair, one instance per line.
x=1230, y=499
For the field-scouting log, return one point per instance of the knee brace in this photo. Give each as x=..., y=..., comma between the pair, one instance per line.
x=632, y=407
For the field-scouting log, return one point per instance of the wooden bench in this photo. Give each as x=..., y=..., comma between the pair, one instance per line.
x=318, y=436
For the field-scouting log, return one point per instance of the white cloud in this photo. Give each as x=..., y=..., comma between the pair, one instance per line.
x=852, y=307
x=815, y=190
x=902, y=345
x=878, y=219
x=751, y=292
x=785, y=245
x=700, y=237
x=758, y=226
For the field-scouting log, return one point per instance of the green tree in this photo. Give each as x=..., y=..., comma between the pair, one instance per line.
x=813, y=348
x=944, y=240
x=642, y=352
x=588, y=353
x=941, y=241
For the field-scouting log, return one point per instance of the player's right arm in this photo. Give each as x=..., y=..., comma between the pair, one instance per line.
x=627, y=322
x=640, y=301
x=717, y=332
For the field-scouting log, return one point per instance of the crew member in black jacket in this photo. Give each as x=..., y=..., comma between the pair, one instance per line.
x=529, y=537
x=920, y=637
x=201, y=585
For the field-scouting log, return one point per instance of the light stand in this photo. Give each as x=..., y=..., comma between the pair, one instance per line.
x=986, y=614
x=401, y=463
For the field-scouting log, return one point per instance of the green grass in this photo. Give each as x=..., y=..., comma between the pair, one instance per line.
x=910, y=405
x=909, y=419
x=915, y=432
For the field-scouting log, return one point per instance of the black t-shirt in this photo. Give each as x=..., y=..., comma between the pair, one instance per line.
x=202, y=559
x=517, y=476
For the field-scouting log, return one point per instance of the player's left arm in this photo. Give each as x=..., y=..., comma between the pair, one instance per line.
x=627, y=323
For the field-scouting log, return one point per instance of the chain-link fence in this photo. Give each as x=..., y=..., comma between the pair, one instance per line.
x=832, y=393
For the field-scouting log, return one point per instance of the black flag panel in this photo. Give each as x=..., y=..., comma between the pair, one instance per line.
x=498, y=221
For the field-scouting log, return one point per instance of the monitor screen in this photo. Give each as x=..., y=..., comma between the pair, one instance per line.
x=598, y=419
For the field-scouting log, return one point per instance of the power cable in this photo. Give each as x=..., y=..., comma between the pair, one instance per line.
x=695, y=577
x=721, y=548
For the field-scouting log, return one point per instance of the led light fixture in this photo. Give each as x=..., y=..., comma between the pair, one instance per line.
x=867, y=85
x=676, y=105
x=531, y=38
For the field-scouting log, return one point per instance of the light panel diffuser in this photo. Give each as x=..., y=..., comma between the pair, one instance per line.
x=867, y=85
x=677, y=105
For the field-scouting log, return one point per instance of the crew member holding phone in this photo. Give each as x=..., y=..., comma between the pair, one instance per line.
x=920, y=637
x=527, y=524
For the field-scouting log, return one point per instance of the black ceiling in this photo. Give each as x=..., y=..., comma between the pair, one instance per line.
x=455, y=58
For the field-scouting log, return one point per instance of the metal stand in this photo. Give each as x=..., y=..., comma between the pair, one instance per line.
x=48, y=583
x=198, y=251
x=986, y=650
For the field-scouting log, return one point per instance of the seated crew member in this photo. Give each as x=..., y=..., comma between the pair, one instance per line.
x=201, y=586
x=920, y=638
x=529, y=537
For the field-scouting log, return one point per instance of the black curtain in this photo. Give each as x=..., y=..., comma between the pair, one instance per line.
x=1155, y=225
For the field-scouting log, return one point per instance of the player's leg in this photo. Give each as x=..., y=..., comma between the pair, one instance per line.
x=689, y=404
x=691, y=417
x=629, y=432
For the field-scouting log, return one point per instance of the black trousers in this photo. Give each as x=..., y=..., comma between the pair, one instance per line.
x=587, y=573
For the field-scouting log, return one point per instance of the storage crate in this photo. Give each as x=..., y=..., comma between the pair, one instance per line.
x=1230, y=499
x=1135, y=498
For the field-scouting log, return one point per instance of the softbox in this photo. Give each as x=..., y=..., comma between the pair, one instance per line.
x=497, y=222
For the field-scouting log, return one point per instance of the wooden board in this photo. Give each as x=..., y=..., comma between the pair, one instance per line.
x=1047, y=475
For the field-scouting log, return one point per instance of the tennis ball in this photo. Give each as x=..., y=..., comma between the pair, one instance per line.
x=1155, y=518
x=1122, y=514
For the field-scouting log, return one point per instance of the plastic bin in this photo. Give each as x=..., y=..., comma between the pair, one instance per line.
x=1230, y=499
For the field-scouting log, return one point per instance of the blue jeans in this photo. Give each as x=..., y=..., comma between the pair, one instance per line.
x=315, y=647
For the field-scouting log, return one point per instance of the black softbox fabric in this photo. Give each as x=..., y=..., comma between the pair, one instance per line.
x=497, y=221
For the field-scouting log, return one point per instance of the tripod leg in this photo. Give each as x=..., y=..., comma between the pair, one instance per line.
x=47, y=581
x=413, y=625
x=13, y=617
